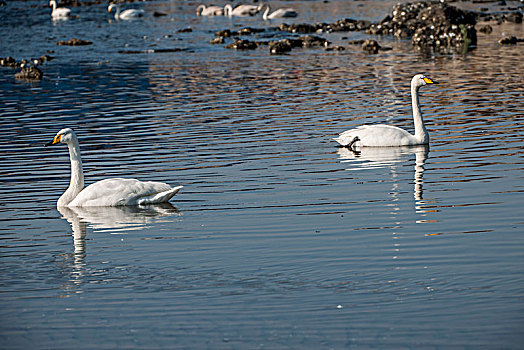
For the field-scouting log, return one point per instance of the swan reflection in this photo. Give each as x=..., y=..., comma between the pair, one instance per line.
x=391, y=158
x=388, y=157
x=114, y=220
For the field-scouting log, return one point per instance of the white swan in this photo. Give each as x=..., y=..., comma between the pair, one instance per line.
x=242, y=10
x=59, y=12
x=391, y=136
x=212, y=10
x=126, y=14
x=108, y=192
x=279, y=13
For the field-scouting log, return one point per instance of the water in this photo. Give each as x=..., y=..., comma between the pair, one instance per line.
x=278, y=238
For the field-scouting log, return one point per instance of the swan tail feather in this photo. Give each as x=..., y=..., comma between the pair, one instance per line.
x=162, y=197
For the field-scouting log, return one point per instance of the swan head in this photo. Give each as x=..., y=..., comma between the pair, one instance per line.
x=110, y=8
x=200, y=9
x=228, y=10
x=66, y=135
x=52, y=3
x=421, y=80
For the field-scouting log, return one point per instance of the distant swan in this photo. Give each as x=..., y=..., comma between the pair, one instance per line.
x=279, y=13
x=212, y=10
x=59, y=12
x=126, y=14
x=242, y=10
x=391, y=136
x=109, y=192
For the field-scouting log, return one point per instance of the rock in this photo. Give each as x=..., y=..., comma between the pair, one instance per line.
x=8, y=62
x=335, y=48
x=370, y=46
x=514, y=17
x=512, y=40
x=75, y=42
x=430, y=24
x=280, y=47
x=226, y=33
x=486, y=29
x=249, y=31
x=302, y=28
x=242, y=45
x=313, y=40
x=185, y=30
x=217, y=40
x=29, y=73
x=356, y=42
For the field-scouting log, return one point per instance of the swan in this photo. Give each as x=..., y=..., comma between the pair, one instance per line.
x=126, y=14
x=387, y=135
x=242, y=10
x=59, y=12
x=279, y=13
x=109, y=192
x=212, y=10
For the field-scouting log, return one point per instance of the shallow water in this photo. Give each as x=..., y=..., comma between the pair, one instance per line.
x=278, y=239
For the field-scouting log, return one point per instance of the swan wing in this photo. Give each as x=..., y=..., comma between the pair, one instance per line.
x=245, y=10
x=131, y=13
x=118, y=191
x=213, y=10
x=61, y=12
x=284, y=13
x=377, y=136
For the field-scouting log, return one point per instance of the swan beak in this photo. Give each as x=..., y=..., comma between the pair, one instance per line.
x=429, y=81
x=55, y=140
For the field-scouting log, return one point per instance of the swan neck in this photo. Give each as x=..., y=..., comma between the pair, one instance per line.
x=53, y=4
x=77, y=175
x=117, y=12
x=266, y=13
x=421, y=134
x=227, y=10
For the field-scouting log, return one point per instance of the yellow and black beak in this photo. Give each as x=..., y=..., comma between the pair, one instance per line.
x=429, y=81
x=55, y=140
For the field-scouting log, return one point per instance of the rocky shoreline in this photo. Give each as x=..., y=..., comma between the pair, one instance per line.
x=432, y=25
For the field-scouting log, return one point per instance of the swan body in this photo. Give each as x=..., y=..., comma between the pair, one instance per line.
x=126, y=14
x=279, y=13
x=242, y=10
x=212, y=10
x=387, y=135
x=108, y=192
x=59, y=12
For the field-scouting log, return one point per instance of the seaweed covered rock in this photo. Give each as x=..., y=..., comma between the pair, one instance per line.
x=281, y=46
x=8, y=62
x=430, y=24
x=226, y=33
x=286, y=45
x=31, y=73
x=250, y=30
x=242, y=45
x=313, y=40
x=74, y=42
x=371, y=46
x=349, y=25
x=302, y=28
x=511, y=40
x=342, y=25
